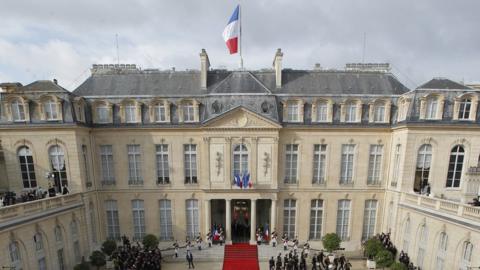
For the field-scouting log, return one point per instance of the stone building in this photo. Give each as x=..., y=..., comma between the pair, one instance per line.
x=150, y=151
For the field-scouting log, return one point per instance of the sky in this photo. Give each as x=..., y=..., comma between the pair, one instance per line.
x=42, y=40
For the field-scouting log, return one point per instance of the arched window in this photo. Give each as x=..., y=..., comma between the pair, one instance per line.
x=466, y=258
x=51, y=109
x=464, y=109
x=406, y=236
x=27, y=168
x=58, y=234
x=441, y=251
x=57, y=161
x=240, y=160
x=15, y=255
x=351, y=111
x=432, y=107
x=18, y=110
x=455, y=166
x=422, y=245
x=424, y=160
x=38, y=242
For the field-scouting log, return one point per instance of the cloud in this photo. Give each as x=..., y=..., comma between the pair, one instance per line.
x=61, y=39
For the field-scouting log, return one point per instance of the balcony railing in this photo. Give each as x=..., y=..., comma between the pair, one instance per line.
x=48, y=205
x=442, y=206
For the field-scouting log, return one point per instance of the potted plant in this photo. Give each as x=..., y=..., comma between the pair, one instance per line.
x=331, y=242
x=372, y=247
x=108, y=247
x=150, y=241
x=97, y=259
x=398, y=266
x=384, y=258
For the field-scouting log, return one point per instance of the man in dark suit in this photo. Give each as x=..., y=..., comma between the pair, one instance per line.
x=190, y=260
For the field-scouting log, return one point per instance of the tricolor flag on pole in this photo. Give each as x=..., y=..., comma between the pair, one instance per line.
x=231, y=33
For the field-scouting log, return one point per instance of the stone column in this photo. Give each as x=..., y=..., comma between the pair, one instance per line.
x=253, y=221
x=228, y=222
x=208, y=218
x=273, y=216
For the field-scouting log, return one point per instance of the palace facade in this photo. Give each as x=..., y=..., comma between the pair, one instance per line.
x=146, y=151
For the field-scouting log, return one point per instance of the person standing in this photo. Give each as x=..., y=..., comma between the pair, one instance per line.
x=314, y=262
x=271, y=264
x=65, y=190
x=199, y=241
x=175, y=245
x=190, y=260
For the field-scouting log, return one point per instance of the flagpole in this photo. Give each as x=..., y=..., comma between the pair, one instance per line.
x=241, y=57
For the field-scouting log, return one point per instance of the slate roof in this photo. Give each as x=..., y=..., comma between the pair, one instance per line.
x=187, y=83
x=42, y=86
x=443, y=84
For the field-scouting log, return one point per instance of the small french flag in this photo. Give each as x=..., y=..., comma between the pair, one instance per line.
x=231, y=33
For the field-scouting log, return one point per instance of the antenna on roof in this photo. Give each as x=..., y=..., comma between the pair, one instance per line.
x=118, y=55
x=364, y=46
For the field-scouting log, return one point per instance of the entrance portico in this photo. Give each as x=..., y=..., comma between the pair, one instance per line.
x=241, y=214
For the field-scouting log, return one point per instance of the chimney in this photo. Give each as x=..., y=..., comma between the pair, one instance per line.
x=277, y=65
x=204, y=66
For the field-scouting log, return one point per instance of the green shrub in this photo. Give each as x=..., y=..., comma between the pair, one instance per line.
x=82, y=266
x=97, y=259
x=372, y=247
x=398, y=266
x=331, y=242
x=150, y=241
x=384, y=258
x=108, y=247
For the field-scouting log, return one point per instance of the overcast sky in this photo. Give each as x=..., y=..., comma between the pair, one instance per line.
x=61, y=39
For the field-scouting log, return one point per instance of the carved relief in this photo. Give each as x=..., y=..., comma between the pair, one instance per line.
x=266, y=163
x=218, y=163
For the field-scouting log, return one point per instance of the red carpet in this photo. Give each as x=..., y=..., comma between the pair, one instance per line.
x=241, y=257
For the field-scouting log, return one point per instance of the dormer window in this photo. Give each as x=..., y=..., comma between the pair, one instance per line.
x=51, y=110
x=322, y=111
x=464, y=110
x=159, y=113
x=130, y=113
x=379, y=113
x=188, y=111
x=18, y=111
x=403, y=104
x=102, y=114
x=432, y=106
x=351, y=112
x=465, y=107
x=292, y=108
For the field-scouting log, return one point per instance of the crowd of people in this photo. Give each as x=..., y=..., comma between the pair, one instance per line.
x=131, y=257
x=292, y=260
x=388, y=245
x=10, y=197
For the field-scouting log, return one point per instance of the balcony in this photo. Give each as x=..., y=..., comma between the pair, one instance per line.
x=29, y=211
x=441, y=206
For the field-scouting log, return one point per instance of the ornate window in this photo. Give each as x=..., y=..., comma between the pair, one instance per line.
x=166, y=227
x=322, y=111
x=79, y=106
x=422, y=245
x=51, y=110
x=57, y=162
x=403, y=105
x=160, y=112
x=441, y=251
x=190, y=160
x=293, y=110
x=291, y=158
x=369, y=219
x=106, y=159
x=27, y=167
x=375, y=164
x=346, y=168
x=422, y=171
x=432, y=104
x=431, y=107
x=138, y=214
x=15, y=255
x=134, y=165
x=193, y=227
x=163, y=174
x=130, y=112
x=465, y=107
x=18, y=110
x=316, y=219
x=343, y=219
x=102, y=112
x=351, y=112
x=289, y=215
x=466, y=259
x=455, y=166
x=319, y=163
x=240, y=160
x=113, y=223
x=379, y=111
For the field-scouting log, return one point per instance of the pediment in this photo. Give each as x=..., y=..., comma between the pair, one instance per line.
x=241, y=117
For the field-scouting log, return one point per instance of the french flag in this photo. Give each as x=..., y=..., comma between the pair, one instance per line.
x=231, y=33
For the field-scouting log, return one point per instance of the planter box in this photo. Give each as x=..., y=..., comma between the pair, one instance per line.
x=371, y=264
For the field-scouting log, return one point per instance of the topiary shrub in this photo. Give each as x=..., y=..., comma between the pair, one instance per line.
x=108, y=247
x=372, y=247
x=82, y=266
x=150, y=241
x=384, y=258
x=97, y=259
x=331, y=242
x=398, y=266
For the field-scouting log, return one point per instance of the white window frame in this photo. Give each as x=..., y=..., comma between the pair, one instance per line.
x=466, y=259
x=347, y=163
x=322, y=111
x=293, y=111
x=138, y=216
x=424, y=159
x=422, y=245
x=465, y=108
x=163, y=170
x=441, y=251
x=375, y=164
x=351, y=112
x=289, y=217
x=319, y=163
x=406, y=235
x=188, y=112
x=103, y=112
x=431, y=108
x=369, y=219
x=106, y=158
x=291, y=163
x=51, y=110
x=18, y=111
x=396, y=165
x=160, y=113
x=240, y=160
x=113, y=223
x=190, y=163
x=458, y=155
x=343, y=219
x=379, y=112
x=134, y=164
x=192, y=212
x=25, y=153
x=316, y=219
x=166, y=223
x=130, y=113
